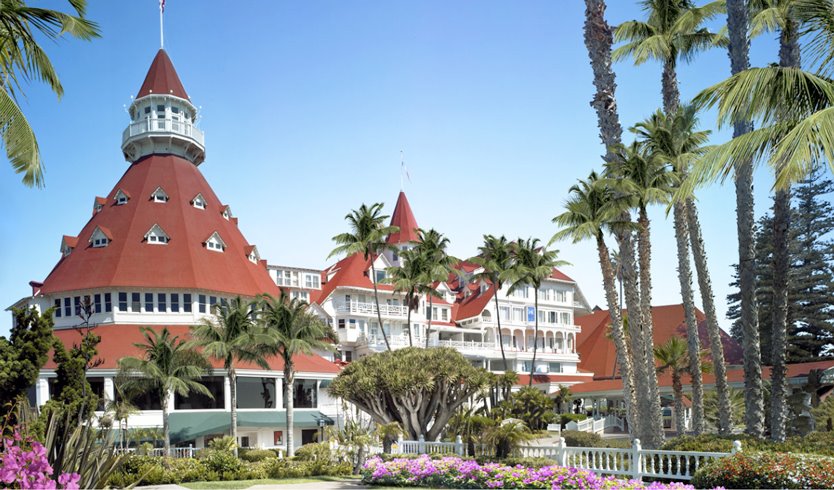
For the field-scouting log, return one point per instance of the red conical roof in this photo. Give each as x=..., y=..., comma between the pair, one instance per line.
x=404, y=219
x=162, y=78
x=184, y=262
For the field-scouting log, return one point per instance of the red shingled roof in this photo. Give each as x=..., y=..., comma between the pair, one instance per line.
x=162, y=78
x=597, y=352
x=184, y=262
x=117, y=342
x=474, y=304
x=404, y=219
x=353, y=271
x=524, y=379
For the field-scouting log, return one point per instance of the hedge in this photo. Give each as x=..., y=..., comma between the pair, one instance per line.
x=767, y=470
x=821, y=443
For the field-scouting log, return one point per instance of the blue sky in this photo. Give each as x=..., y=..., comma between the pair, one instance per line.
x=306, y=106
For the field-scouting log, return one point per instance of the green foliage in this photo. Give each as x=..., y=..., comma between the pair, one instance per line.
x=23, y=354
x=222, y=462
x=224, y=444
x=531, y=405
x=526, y=462
x=571, y=417
x=820, y=443
x=412, y=377
x=575, y=438
x=506, y=436
x=767, y=470
x=73, y=393
x=255, y=455
x=824, y=415
x=317, y=451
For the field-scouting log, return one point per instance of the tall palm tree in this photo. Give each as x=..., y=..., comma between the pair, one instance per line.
x=648, y=180
x=122, y=409
x=592, y=209
x=408, y=280
x=167, y=365
x=532, y=264
x=438, y=264
x=21, y=60
x=674, y=140
x=673, y=356
x=230, y=335
x=292, y=330
x=367, y=236
x=495, y=258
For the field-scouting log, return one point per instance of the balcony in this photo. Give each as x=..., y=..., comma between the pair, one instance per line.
x=472, y=347
x=161, y=127
x=360, y=308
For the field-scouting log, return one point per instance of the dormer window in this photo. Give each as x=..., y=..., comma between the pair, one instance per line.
x=101, y=237
x=227, y=212
x=98, y=204
x=159, y=195
x=68, y=243
x=215, y=243
x=199, y=202
x=252, y=254
x=157, y=236
x=121, y=197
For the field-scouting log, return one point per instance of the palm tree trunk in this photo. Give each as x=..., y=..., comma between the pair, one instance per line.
x=166, y=430
x=408, y=325
x=233, y=393
x=788, y=57
x=535, y=336
x=598, y=40
x=677, y=386
x=669, y=84
x=693, y=341
x=653, y=430
x=753, y=394
x=288, y=400
x=618, y=334
x=498, y=319
x=725, y=410
x=431, y=317
x=376, y=299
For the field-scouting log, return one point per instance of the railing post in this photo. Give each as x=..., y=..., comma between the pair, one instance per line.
x=399, y=449
x=191, y=450
x=458, y=445
x=636, y=460
x=561, y=452
x=736, y=447
x=421, y=444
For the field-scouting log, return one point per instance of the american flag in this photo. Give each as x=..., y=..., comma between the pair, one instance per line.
x=162, y=5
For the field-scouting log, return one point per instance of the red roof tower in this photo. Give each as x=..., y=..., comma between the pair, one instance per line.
x=403, y=218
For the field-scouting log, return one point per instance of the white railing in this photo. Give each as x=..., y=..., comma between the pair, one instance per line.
x=422, y=446
x=369, y=308
x=394, y=340
x=636, y=462
x=597, y=425
x=151, y=125
x=176, y=452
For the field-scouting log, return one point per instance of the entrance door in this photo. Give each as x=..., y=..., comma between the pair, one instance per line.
x=309, y=436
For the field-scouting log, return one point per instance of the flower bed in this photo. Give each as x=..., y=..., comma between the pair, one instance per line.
x=768, y=470
x=459, y=473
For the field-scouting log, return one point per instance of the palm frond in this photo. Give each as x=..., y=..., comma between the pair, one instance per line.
x=20, y=142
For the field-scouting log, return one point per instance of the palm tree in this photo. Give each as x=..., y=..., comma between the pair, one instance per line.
x=532, y=264
x=674, y=357
x=438, y=264
x=673, y=31
x=593, y=208
x=563, y=397
x=167, y=365
x=408, y=279
x=291, y=330
x=367, y=236
x=495, y=258
x=229, y=335
x=122, y=409
x=21, y=60
x=648, y=180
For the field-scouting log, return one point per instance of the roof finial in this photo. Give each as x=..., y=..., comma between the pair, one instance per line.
x=161, y=30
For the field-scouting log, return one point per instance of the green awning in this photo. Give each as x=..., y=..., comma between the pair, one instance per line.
x=186, y=426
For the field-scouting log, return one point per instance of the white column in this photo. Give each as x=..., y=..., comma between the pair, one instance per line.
x=171, y=400
x=227, y=394
x=109, y=390
x=42, y=391
x=279, y=393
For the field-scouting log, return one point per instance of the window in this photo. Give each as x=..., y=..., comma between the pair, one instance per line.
x=554, y=367
x=135, y=303
x=147, y=109
x=518, y=315
x=227, y=212
x=99, y=238
x=497, y=365
x=121, y=197
x=565, y=317
x=156, y=235
x=255, y=392
x=341, y=323
x=504, y=311
x=67, y=307
x=562, y=296
x=149, y=400
x=352, y=323
x=380, y=275
x=444, y=314
x=159, y=195
x=197, y=401
x=304, y=393
x=311, y=281
x=108, y=303
x=347, y=356
x=199, y=202
x=149, y=302
x=122, y=301
x=551, y=317
x=58, y=308
x=97, y=303
x=186, y=303
x=161, y=304
x=202, y=306
x=215, y=243
x=175, y=303
x=212, y=304
x=97, y=386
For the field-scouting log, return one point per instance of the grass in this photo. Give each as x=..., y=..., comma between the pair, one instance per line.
x=241, y=484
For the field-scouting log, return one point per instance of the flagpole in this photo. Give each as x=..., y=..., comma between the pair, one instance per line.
x=161, y=30
x=402, y=169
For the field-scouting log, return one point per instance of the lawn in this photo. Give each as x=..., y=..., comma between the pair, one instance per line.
x=241, y=484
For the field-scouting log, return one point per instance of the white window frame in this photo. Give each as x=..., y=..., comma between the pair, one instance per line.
x=199, y=201
x=157, y=236
x=121, y=198
x=215, y=243
x=159, y=195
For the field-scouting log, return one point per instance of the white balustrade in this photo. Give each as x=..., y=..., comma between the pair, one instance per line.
x=369, y=308
x=151, y=125
x=176, y=452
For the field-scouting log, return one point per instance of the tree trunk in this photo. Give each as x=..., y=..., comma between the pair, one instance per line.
x=693, y=341
x=642, y=426
x=233, y=393
x=376, y=299
x=788, y=57
x=753, y=394
x=288, y=400
x=498, y=319
x=716, y=347
x=669, y=84
x=431, y=317
x=408, y=326
x=166, y=429
x=677, y=386
x=654, y=429
x=617, y=332
x=535, y=336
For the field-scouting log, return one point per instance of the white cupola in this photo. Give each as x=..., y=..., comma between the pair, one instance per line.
x=162, y=118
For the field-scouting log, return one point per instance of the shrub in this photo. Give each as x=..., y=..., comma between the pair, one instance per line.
x=528, y=462
x=225, y=443
x=221, y=462
x=316, y=451
x=255, y=455
x=571, y=417
x=767, y=470
x=577, y=438
x=814, y=443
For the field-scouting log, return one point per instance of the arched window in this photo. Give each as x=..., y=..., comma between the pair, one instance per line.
x=486, y=316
